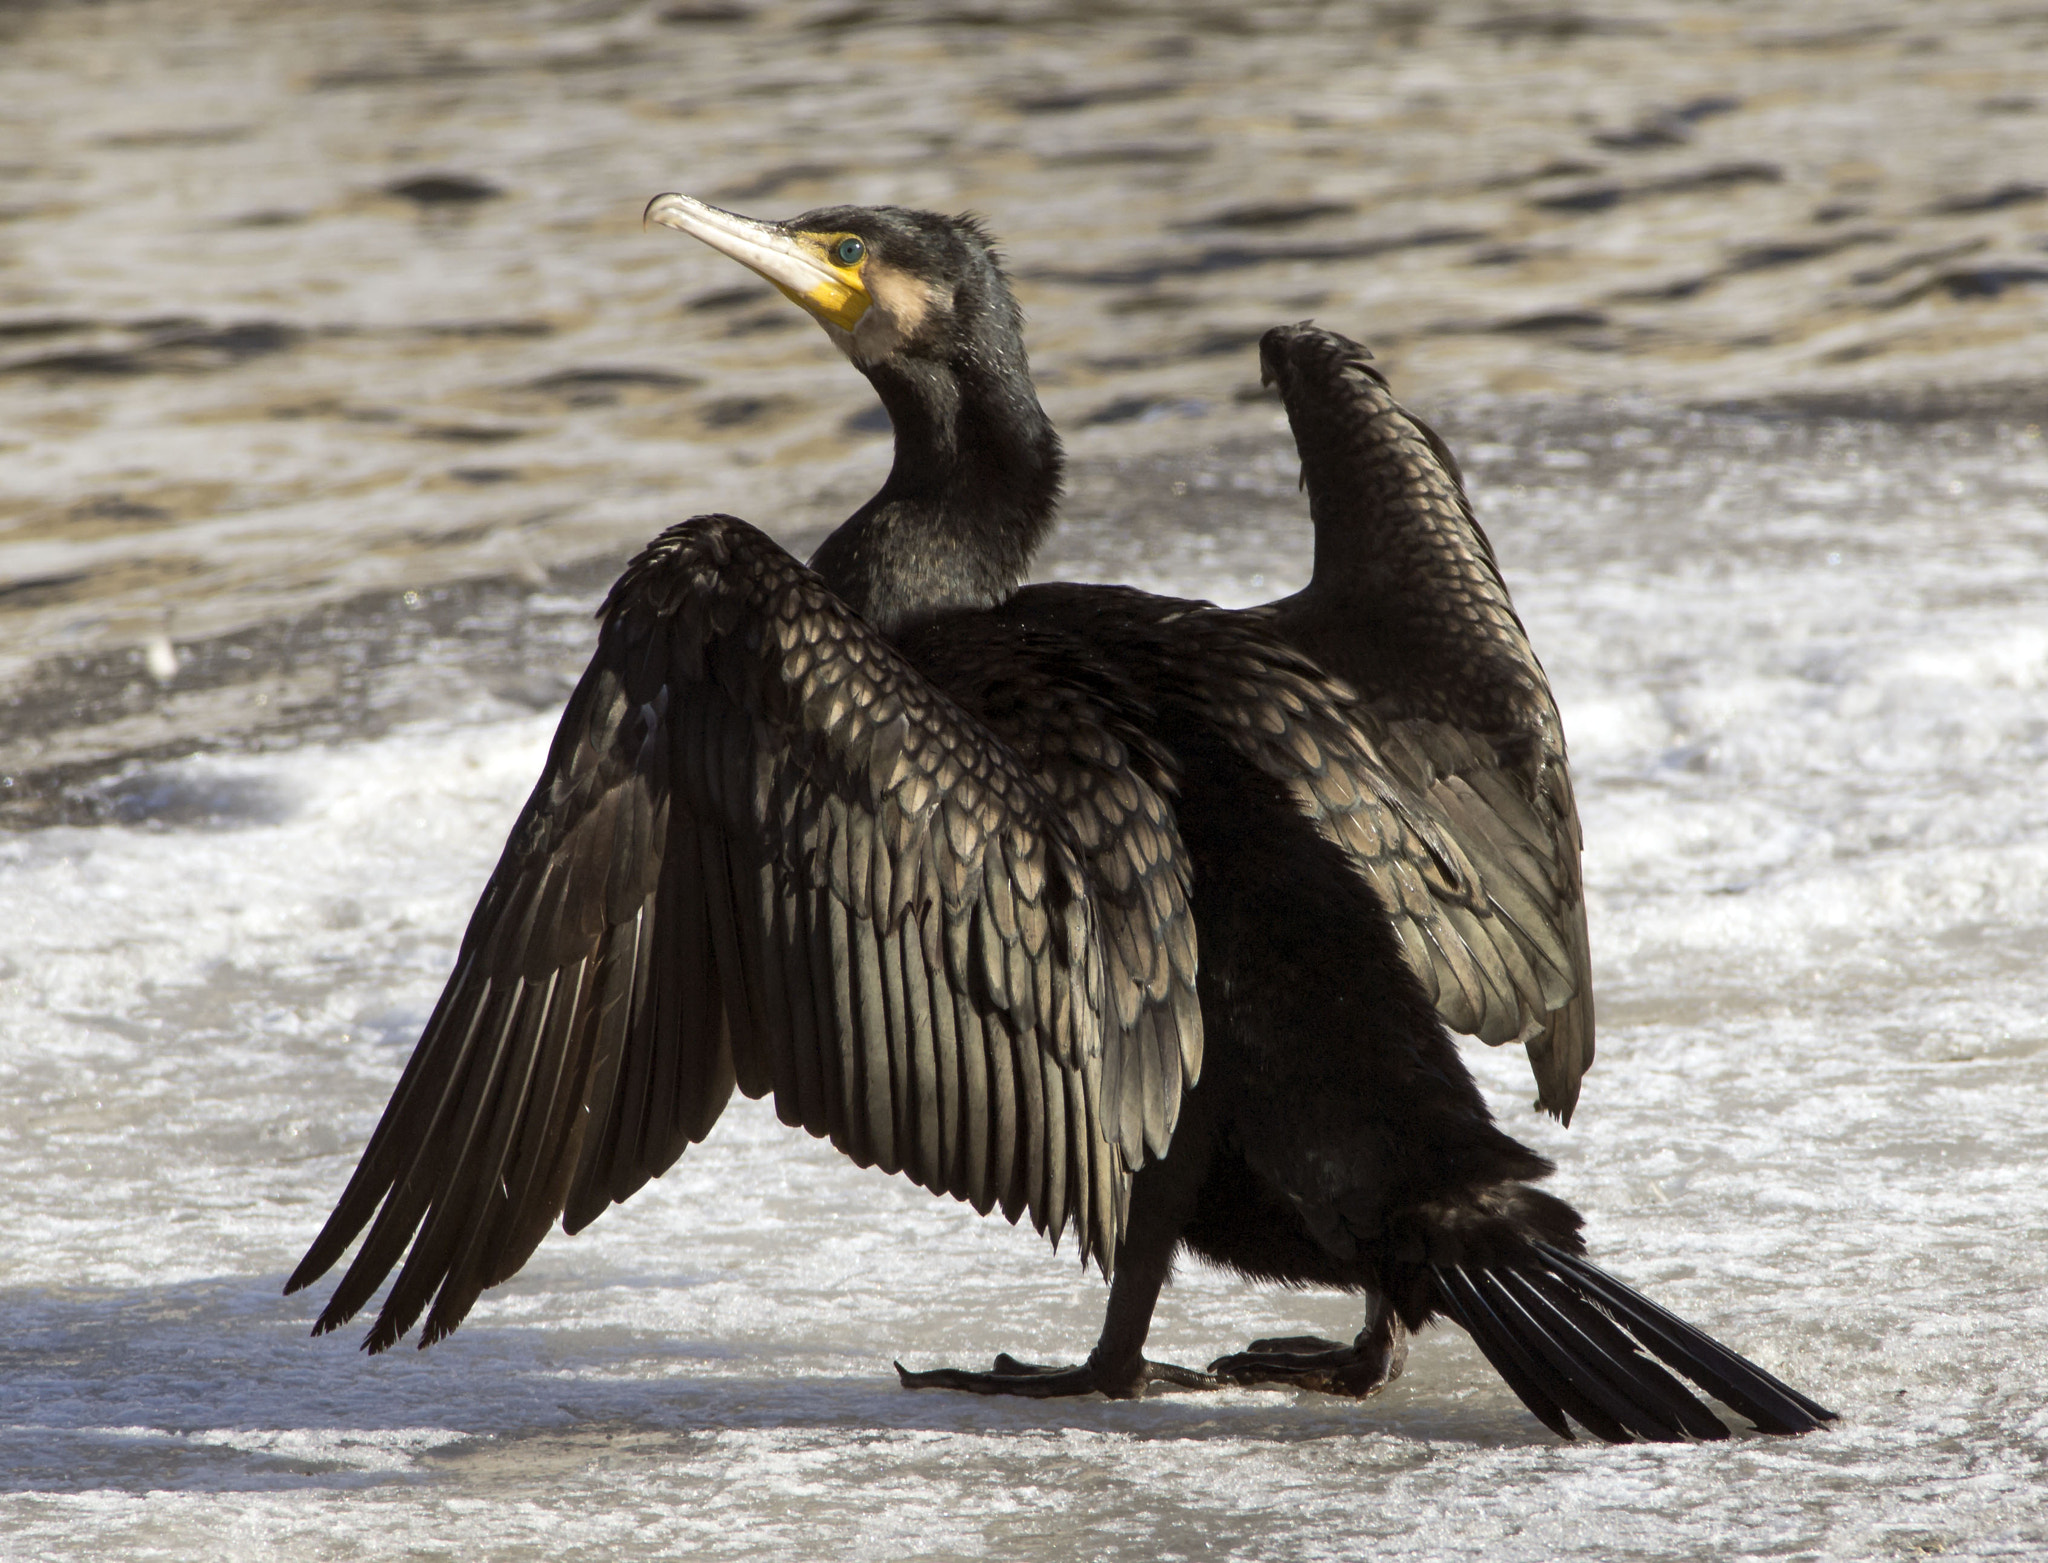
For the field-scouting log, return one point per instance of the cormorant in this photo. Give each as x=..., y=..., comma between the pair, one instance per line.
x=928, y=857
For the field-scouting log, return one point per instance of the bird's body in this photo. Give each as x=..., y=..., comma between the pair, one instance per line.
x=1069, y=901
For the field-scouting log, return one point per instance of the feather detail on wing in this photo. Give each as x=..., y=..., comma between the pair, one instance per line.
x=767, y=852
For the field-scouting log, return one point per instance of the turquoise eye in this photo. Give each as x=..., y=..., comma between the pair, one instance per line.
x=848, y=251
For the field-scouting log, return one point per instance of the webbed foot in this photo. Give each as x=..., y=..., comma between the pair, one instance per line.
x=1008, y=1376
x=1365, y=1367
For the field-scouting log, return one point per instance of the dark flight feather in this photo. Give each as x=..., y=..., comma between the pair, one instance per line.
x=622, y=976
x=1407, y=604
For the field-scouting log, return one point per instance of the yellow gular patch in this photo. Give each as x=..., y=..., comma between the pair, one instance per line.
x=837, y=303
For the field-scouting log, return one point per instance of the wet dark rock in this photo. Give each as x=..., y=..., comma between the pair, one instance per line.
x=480, y=476
x=443, y=190
x=380, y=658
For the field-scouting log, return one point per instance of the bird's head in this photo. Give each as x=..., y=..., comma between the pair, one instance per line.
x=888, y=284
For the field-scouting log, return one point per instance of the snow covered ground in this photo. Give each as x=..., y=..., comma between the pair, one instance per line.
x=1804, y=670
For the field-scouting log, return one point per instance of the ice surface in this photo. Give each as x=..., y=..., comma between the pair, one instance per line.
x=1804, y=668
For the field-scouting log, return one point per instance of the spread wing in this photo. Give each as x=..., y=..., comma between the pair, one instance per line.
x=766, y=852
x=1522, y=969
x=1081, y=732
x=1477, y=868
x=1480, y=884
x=1409, y=606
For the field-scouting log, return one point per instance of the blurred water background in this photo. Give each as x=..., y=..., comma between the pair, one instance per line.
x=337, y=377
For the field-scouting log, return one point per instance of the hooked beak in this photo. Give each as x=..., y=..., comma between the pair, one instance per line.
x=794, y=261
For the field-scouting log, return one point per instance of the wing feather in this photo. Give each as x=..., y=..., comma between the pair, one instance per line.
x=1414, y=616
x=1475, y=863
x=768, y=852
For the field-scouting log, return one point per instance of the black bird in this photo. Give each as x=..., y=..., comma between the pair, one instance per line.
x=928, y=857
x=1407, y=605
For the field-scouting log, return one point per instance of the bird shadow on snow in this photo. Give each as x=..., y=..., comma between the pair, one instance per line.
x=214, y=1385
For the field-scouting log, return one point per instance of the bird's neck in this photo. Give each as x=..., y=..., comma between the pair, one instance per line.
x=969, y=499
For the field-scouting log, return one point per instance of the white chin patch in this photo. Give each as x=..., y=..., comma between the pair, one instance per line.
x=899, y=305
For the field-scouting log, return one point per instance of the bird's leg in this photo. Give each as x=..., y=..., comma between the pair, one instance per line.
x=1370, y=1363
x=1117, y=1366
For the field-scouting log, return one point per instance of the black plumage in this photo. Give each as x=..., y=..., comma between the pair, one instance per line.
x=1408, y=606
x=1012, y=891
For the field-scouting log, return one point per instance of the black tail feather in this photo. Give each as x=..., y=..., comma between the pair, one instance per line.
x=1647, y=1379
x=1579, y=1381
x=1540, y=1391
x=1768, y=1401
x=1570, y=1340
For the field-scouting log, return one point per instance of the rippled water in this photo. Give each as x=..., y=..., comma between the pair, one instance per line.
x=360, y=452
x=301, y=302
